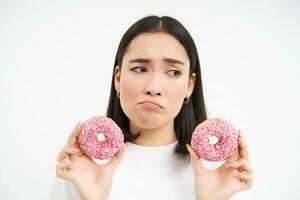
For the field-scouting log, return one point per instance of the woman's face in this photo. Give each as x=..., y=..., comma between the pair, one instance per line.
x=155, y=69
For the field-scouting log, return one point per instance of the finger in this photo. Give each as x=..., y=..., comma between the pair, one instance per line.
x=246, y=178
x=72, y=153
x=66, y=152
x=62, y=173
x=233, y=158
x=66, y=161
x=80, y=153
x=73, y=136
x=62, y=155
x=61, y=165
x=249, y=182
x=196, y=161
x=242, y=165
x=71, y=150
x=116, y=159
x=243, y=176
x=243, y=148
x=62, y=170
x=77, y=146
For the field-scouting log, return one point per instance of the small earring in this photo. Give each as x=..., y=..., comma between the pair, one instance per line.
x=118, y=95
x=186, y=99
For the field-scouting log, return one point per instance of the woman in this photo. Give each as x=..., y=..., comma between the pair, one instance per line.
x=157, y=99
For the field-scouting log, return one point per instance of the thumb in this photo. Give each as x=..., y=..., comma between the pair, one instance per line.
x=196, y=161
x=116, y=159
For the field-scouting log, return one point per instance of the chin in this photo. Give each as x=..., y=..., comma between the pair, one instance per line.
x=148, y=121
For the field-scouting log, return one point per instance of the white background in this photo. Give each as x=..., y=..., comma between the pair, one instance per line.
x=56, y=61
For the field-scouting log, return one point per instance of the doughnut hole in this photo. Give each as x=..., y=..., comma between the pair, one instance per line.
x=212, y=139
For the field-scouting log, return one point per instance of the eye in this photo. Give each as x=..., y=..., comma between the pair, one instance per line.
x=174, y=72
x=139, y=69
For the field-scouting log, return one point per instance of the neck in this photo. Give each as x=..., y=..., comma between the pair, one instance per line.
x=161, y=136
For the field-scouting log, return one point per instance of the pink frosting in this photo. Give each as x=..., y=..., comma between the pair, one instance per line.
x=111, y=139
x=225, y=147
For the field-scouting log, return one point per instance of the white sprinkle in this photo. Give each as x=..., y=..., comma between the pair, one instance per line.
x=213, y=139
x=100, y=137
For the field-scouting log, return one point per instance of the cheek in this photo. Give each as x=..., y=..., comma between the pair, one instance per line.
x=130, y=88
x=175, y=97
x=178, y=92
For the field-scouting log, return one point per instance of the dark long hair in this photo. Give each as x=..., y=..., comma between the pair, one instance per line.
x=191, y=113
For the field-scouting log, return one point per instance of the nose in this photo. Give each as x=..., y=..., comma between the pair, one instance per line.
x=153, y=87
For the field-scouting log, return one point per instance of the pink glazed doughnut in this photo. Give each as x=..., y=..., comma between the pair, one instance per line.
x=100, y=137
x=215, y=140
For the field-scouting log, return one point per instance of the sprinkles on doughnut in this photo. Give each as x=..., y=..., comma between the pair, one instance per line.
x=100, y=137
x=215, y=140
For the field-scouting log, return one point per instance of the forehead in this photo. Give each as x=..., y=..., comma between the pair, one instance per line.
x=156, y=46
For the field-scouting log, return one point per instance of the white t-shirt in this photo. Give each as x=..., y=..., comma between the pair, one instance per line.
x=144, y=173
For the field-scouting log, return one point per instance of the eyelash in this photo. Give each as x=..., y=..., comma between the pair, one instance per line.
x=176, y=71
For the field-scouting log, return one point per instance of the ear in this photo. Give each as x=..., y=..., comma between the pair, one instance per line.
x=117, y=76
x=192, y=82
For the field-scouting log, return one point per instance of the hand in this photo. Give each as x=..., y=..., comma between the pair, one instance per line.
x=233, y=176
x=92, y=181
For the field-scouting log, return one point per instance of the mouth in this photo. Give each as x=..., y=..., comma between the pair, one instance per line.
x=151, y=105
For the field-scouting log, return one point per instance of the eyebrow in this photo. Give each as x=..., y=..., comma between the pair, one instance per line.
x=146, y=60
